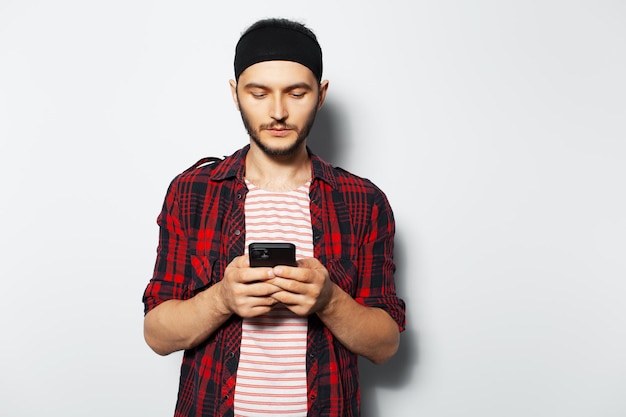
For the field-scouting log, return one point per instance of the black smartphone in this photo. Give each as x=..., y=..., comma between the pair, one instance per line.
x=272, y=254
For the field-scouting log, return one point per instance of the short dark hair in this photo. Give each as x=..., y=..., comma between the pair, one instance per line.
x=281, y=23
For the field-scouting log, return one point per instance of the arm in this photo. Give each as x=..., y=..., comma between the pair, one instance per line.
x=366, y=331
x=307, y=289
x=184, y=304
x=183, y=324
x=368, y=324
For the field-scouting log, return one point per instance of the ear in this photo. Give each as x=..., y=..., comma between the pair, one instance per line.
x=322, y=93
x=233, y=92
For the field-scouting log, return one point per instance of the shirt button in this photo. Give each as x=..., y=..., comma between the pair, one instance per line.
x=237, y=232
x=239, y=196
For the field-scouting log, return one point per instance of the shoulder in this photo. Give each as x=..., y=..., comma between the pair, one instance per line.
x=210, y=169
x=347, y=179
x=355, y=190
x=342, y=180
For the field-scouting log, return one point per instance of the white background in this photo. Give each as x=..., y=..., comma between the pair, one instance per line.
x=496, y=129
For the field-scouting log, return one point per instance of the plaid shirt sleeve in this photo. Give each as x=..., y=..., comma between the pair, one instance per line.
x=358, y=234
x=187, y=227
x=376, y=261
x=172, y=266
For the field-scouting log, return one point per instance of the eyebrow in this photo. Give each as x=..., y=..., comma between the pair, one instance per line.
x=295, y=86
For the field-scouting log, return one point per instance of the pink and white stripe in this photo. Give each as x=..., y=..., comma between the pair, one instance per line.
x=271, y=378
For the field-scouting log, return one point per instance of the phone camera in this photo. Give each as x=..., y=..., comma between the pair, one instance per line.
x=260, y=254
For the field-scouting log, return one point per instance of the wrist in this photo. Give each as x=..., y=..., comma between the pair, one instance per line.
x=329, y=307
x=213, y=298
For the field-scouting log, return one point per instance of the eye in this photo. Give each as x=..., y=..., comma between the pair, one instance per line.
x=258, y=94
x=297, y=94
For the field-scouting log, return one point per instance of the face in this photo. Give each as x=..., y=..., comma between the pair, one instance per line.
x=278, y=101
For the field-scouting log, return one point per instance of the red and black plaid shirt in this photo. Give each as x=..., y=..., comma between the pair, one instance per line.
x=202, y=229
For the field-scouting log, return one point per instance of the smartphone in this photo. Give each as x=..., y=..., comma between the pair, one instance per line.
x=272, y=254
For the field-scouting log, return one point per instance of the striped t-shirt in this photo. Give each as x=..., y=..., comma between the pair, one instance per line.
x=271, y=378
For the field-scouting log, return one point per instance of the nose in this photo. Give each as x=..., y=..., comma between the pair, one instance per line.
x=278, y=110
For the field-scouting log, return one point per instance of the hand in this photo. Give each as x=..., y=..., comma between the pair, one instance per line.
x=246, y=291
x=305, y=289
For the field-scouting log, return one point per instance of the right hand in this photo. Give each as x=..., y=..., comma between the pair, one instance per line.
x=244, y=290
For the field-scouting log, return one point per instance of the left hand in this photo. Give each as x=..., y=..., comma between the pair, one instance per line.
x=305, y=289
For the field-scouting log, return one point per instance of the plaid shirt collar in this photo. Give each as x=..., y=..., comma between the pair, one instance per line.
x=234, y=167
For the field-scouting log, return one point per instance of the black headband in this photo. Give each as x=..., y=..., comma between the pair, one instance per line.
x=271, y=43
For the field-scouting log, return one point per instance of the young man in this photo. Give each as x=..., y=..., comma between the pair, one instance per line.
x=284, y=340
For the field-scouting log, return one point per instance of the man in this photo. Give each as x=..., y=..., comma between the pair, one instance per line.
x=284, y=340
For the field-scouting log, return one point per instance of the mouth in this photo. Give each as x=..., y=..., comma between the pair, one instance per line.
x=278, y=131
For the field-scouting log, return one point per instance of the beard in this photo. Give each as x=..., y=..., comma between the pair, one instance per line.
x=290, y=150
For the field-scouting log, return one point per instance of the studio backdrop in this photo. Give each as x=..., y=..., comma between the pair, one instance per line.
x=496, y=130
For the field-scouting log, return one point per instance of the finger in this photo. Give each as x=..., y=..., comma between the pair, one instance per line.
x=288, y=298
x=294, y=274
x=240, y=262
x=310, y=263
x=265, y=289
x=291, y=285
x=252, y=275
x=255, y=306
x=291, y=272
x=257, y=289
x=297, y=303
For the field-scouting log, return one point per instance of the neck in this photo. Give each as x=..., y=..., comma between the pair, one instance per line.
x=283, y=173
